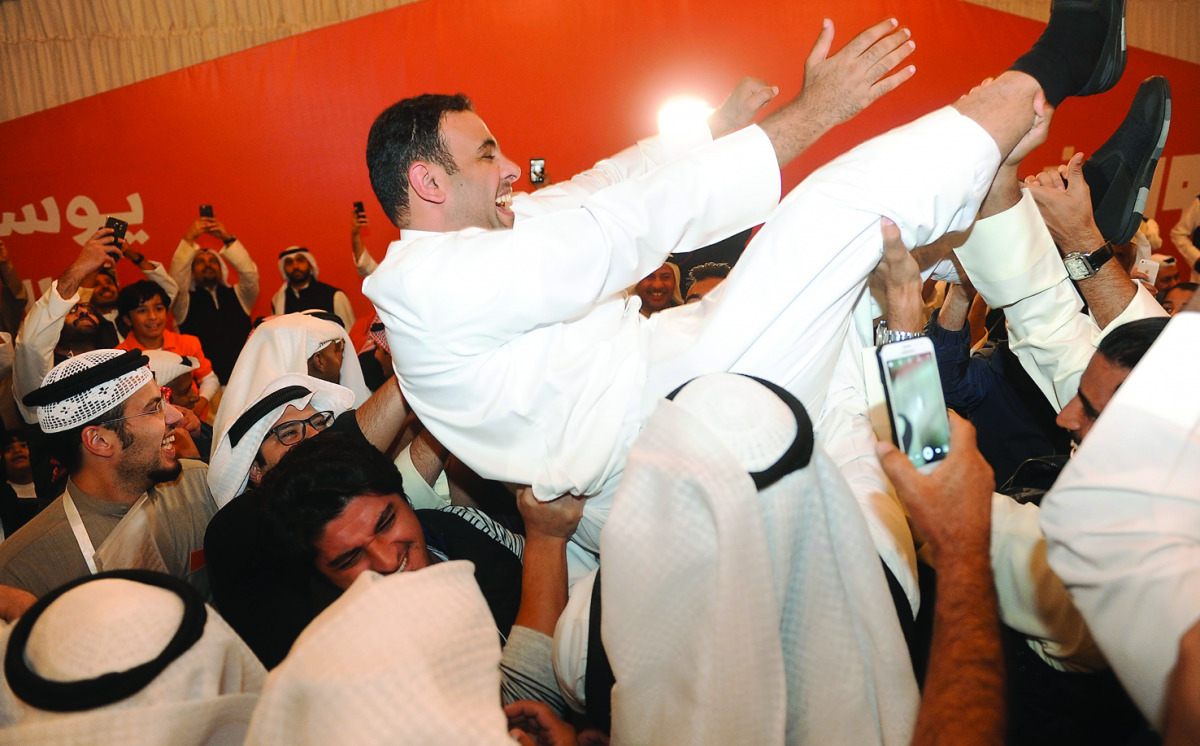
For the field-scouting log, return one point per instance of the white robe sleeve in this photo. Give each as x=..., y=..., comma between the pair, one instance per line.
x=1181, y=234
x=1014, y=264
x=247, y=285
x=33, y=351
x=558, y=267
x=181, y=272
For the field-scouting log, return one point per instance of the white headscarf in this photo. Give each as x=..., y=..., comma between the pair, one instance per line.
x=229, y=470
x=734, y=615
x=279, y=346
x=106, y=624
x=220, y=260
x=409, y=658
x=298, y=251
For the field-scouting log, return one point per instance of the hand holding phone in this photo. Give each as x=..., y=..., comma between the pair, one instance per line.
x=920, y=425
x=1149, y=268
x=118, y=230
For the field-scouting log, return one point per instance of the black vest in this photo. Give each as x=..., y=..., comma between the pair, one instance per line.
x=222, y=330
x=316, y=295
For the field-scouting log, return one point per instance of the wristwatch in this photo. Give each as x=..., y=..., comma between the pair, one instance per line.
x=1081, y=266
x=883, y=335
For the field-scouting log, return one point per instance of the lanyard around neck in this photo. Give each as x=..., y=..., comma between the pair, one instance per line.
x=81, y=535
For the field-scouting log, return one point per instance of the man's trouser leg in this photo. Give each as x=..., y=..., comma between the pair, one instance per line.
x=782, y=314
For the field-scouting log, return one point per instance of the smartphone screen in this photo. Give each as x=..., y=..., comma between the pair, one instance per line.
x=920, y=426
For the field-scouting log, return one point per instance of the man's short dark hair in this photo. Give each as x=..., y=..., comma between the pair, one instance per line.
x=137, y=293
x=707, y=271
x=315, y=481
x=67, y=445
x=406, y=132
x=1127, y=344
x=1186, y=286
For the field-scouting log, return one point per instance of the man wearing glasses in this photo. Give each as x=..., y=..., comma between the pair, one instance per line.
x=260, y=587
x=130, y=502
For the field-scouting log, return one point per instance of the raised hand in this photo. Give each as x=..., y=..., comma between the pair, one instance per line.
x=951, y=506
x=557, y=518
x=839, y=87
x=1066, y=206
x=740, y=107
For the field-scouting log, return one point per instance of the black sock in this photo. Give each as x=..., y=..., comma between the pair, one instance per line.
x=1064, y=57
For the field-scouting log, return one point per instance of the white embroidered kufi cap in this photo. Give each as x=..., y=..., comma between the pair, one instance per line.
x=83, y=387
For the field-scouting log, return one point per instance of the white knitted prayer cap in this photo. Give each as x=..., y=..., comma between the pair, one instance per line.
x=77, y=407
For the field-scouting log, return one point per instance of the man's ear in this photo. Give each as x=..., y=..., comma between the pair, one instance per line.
x=125, y=319
x=256, y=472
x=316, y=364
x=99, y=441
x=423, y=181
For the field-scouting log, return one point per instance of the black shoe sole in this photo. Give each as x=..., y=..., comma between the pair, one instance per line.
x=1121, y=170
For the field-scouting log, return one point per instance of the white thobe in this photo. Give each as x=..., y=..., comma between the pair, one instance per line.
x=517, y=351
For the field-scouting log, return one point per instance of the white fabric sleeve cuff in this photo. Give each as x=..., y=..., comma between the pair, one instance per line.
x=1010, y=256
x=420, y=494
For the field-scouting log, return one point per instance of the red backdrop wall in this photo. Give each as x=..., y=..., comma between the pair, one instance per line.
x=274, y=137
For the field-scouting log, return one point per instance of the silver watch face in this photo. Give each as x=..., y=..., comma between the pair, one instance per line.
x=1078, y=267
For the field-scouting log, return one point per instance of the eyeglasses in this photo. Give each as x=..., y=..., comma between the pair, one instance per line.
x=291, y=433
x=159, y=405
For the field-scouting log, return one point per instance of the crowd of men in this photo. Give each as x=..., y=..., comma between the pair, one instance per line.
x=574, y=495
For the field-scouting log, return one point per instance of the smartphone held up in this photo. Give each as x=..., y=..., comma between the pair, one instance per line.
x=916, y=406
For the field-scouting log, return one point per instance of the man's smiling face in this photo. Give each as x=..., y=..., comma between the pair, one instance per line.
x=479, y=193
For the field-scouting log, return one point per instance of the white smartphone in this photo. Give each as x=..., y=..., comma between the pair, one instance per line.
x=920, y=425
x=1148, y=267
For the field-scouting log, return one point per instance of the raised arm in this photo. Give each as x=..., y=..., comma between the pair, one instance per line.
x=239, y=258
x=963, y=701
x=364, y=263
x=837, y=88
x=33, y=351
x=1067, y=210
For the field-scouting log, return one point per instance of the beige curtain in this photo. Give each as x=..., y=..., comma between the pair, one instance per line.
x=56, y=51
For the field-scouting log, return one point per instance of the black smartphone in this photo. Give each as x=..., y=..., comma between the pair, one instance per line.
x=358, y=207
x=206, y=211
x=118, y=229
